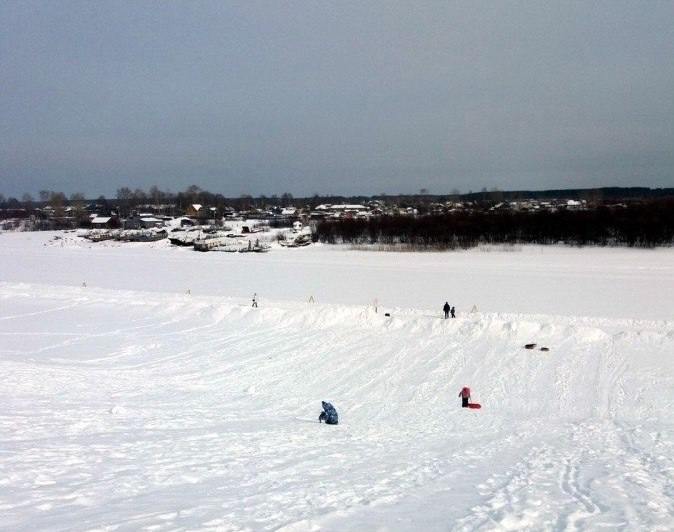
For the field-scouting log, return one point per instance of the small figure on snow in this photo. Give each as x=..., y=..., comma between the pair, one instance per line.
x=329, y=414
x=453, y=310
x=465, y=396
x=255, y=300
x=446, y=309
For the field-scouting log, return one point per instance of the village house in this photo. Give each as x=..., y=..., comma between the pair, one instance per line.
x=575, y=205
x=143, y=221
x=196, y=210
x=104, y=222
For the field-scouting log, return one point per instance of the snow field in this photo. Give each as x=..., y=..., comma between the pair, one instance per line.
x=138, y=410
x=601, y=282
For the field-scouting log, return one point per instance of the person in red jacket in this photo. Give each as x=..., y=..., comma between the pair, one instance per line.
x=465, y=396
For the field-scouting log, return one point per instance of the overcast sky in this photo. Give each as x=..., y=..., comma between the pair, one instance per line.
x=335, y=97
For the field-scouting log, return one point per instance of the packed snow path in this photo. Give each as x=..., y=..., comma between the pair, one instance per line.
x=150, y=411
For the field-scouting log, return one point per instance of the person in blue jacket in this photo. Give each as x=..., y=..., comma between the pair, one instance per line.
x=329, y=414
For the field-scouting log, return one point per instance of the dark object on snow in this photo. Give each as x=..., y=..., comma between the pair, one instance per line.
x=388, y=315
x=446, y=308
x=453, y=310
x=545, y=349
x=465, y=396
x=329, y=414
x=529, y=346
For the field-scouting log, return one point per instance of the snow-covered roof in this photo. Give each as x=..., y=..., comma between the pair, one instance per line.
x=349, y=207
x=150, y=219
x=176, y=222
x=101, y=219
x=196, y=206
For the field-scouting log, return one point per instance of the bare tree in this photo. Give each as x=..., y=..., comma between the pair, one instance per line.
x=57, y=200
x=124, y=195
x=78, y=204
x=103, y=205
x=192, y=192
x=27, y=200
x=157, y=196
x=13, y=203
x=287, y=199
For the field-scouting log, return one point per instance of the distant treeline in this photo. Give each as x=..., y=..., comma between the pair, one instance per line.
x=643, y=224
x=127, y=198
x=595, y=195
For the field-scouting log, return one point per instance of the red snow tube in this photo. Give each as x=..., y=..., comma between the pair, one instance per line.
x=474, y=405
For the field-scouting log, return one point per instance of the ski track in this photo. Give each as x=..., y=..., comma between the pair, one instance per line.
x=140, y=411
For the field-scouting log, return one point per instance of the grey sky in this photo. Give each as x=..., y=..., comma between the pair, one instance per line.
x=335, y=97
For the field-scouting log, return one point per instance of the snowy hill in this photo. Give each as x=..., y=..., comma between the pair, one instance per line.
x=153, y=410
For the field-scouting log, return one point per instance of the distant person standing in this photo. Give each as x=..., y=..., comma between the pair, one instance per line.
x=465, y=396
x=255, y=300
x=453, y=310
x=446, y=309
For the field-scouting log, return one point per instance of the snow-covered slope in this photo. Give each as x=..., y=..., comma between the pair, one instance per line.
x=130, y=410
x=127, y=404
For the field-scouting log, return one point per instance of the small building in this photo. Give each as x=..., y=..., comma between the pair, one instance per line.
x=574, y=205
x=104, y=222
x=148, y=222
x=195, y=210
x=348, y=208
x=143, y=221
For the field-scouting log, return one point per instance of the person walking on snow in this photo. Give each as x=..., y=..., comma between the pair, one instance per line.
x=446, y=309
x=255, y=300
x=465, y=396
x=453, y=310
